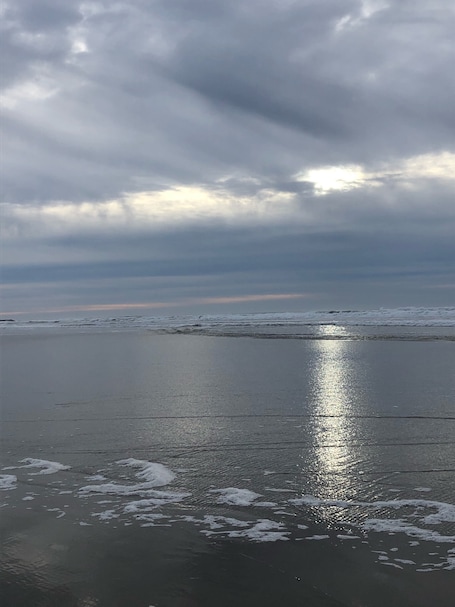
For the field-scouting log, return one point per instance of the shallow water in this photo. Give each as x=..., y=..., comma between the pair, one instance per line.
x=319, y=468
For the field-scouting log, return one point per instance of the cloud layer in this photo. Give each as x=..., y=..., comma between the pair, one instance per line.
x=207, y=153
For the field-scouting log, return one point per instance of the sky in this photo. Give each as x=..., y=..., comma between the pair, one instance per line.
x=203, y=156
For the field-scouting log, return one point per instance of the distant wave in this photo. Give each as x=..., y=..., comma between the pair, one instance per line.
x=281, y=325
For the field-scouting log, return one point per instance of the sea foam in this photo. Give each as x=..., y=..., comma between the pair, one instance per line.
x=151, y=475
x=7, y=481
x=47, y=467
x=155, y=475
x=235, y=496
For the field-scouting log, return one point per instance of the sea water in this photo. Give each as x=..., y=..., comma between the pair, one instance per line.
x=228, y=461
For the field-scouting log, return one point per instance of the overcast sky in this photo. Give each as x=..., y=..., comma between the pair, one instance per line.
x=175, y=156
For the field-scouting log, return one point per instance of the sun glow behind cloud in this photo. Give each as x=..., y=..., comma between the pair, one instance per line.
x=171, y=206
x=328, y=179
x=199, y=204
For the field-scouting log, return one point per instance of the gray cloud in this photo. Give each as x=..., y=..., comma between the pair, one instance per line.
x=103, y=100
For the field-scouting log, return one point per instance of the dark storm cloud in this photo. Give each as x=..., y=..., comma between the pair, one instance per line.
x=105, y=100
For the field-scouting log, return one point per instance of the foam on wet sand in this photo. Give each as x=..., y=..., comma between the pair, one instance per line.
x=8, y=481
x=47, y=466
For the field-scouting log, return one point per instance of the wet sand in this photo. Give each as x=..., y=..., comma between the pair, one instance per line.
x=241, y=431
x=47, y=562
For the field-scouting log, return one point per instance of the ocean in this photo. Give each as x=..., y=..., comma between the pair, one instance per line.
x=259, y=459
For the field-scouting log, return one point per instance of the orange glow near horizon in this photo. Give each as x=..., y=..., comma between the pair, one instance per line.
x=167, y=304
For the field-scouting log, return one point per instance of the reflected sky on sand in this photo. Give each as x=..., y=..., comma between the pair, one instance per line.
x=133, y=452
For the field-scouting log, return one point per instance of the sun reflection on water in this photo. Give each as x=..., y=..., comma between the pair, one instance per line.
x=332, y=405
